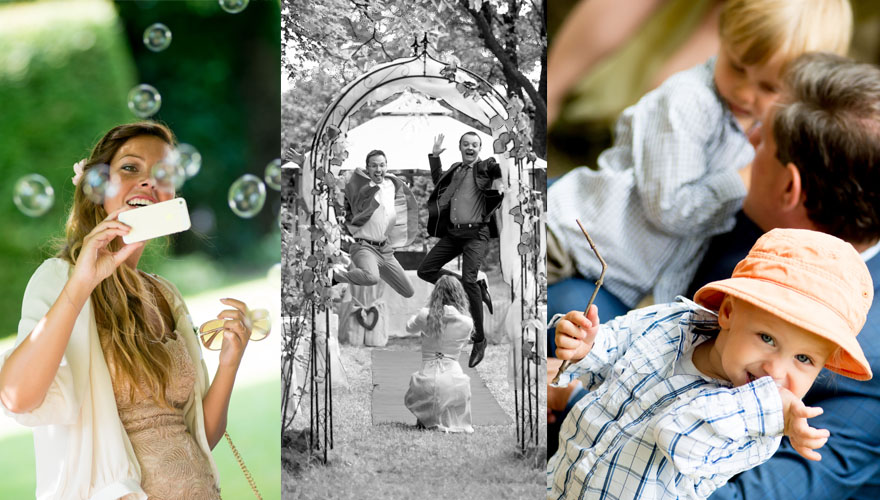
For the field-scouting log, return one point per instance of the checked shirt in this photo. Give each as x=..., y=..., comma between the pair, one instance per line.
x=644, y=432
x=667, y=185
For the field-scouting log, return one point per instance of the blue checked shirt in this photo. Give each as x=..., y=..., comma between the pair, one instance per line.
x=643, y=432
x=667, y=184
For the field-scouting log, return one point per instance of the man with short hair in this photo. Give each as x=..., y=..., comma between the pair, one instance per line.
x=381, y=214
x=461, y=212
x=816, y=167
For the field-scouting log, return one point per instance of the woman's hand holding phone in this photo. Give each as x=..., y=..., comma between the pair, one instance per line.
x=95, y=261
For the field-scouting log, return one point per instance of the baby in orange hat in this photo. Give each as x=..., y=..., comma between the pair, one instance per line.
x=686, y=395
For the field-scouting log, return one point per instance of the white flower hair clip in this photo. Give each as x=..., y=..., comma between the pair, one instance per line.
x=78, y=171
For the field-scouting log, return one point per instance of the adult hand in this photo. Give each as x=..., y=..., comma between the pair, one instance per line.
x=95, y=262
x=575, y=334
x=236, y=332
x=804, y=439
x=438, y=145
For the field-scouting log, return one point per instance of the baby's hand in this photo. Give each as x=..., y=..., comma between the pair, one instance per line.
x=575, y=334
x=804, y=439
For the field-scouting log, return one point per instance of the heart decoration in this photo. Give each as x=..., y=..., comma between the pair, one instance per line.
x=364, y=313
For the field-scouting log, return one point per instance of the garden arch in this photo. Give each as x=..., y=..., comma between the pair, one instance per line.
x=522, y=265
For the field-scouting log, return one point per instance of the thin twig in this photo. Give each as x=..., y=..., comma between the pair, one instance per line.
x=599, y=282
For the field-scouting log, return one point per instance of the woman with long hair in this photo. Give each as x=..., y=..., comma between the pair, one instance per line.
x=107, y=368
x=439, y=393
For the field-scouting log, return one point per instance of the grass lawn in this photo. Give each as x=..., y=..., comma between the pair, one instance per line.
x=397, y=461
x=254, y=426
x=17, y=464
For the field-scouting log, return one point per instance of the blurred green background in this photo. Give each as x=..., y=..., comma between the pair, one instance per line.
x=65, y=71
x=66, y=68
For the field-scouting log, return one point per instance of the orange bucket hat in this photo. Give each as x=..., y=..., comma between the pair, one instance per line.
x=810, y=279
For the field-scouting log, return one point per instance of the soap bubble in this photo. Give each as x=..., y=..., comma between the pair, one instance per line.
x=203, y=219
x=247, y=196
x=273, y=174
x=97, y=184
x=33, y=195
x=190, y=159
x=233, y=6
x=144, y=100
x=168, y=175
x=157, y=37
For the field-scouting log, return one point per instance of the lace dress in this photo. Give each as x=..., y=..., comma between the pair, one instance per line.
x=173, y=466
x=439, y=394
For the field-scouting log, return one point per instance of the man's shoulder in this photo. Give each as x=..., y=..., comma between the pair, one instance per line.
x=357, y=179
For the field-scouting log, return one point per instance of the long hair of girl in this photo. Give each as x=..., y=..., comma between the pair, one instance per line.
x=129, y=321
x=447, y=292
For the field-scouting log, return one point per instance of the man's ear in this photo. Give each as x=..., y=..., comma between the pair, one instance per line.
x=725, y=313
x=793, y=194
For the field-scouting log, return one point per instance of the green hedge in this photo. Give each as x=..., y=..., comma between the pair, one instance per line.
x=65, y=72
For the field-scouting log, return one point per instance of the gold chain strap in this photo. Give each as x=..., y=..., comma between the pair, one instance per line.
x=241, y=464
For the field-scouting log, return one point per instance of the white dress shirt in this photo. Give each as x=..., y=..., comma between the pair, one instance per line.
x=383, y=217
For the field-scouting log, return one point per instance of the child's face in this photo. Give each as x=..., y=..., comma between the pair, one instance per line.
x=754, y=343
x=748, y=89
x=130, y=169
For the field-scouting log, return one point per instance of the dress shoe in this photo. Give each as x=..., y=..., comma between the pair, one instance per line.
x=477, y=353
x=484, y=291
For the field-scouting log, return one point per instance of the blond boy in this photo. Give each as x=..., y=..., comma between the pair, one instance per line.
x=685, y=395
x=675, y=173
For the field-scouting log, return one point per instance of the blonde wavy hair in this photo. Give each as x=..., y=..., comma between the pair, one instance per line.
x=447, y=291
x=758, y=30
x=130, y=322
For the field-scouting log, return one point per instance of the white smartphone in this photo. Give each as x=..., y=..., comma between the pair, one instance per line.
x=159, y=219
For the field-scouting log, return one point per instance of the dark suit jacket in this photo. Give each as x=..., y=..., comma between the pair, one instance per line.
x=484, y=171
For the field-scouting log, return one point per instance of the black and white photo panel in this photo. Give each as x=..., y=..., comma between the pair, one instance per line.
x=413, y=249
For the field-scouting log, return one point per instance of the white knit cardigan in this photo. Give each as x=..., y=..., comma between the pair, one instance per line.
x=81, y=448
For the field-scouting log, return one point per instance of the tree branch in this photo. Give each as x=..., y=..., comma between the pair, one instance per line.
x=507, y=64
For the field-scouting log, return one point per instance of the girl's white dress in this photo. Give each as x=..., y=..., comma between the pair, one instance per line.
x=439, y=393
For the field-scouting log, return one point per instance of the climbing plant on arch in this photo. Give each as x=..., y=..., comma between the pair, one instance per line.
x=320, y=217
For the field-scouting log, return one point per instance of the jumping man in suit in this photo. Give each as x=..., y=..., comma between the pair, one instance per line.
x=381, y=214
x=461, y=213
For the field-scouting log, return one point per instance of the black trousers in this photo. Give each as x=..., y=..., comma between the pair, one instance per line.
x=471, y=244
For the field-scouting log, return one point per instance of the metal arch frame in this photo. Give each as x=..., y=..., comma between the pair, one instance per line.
x=323, y=413
x=323, y=123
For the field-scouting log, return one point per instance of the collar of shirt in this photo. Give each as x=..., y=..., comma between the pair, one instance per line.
x=871, y=252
